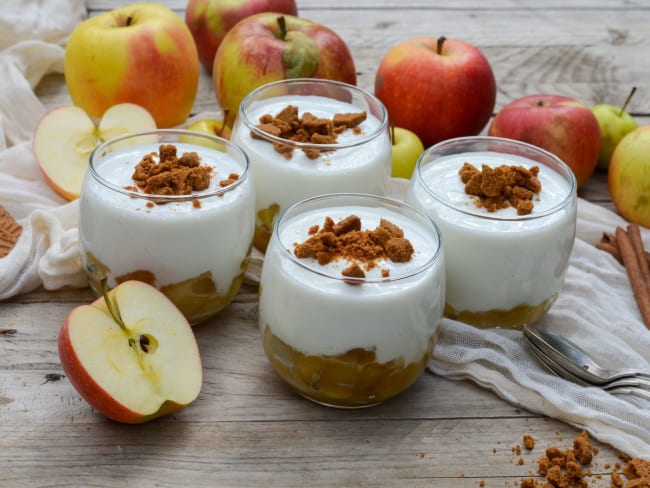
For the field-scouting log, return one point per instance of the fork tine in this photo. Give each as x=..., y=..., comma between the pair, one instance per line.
x=632, y=382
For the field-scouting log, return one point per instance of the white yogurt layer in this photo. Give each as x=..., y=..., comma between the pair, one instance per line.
x=497, y=261
x=175, y=241
x=317, y=314
x=360, y=169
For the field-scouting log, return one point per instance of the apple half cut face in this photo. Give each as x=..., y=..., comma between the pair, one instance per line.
x=65, y=137
x=134, y=371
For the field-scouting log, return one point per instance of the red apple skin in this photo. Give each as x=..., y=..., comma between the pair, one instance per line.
x=562, y=125
x=436, y=95
x=253, y=53
x=94, y=394
x=210, y=20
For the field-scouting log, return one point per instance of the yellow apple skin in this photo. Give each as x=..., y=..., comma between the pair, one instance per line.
x=407, y=148
x=629, y=176
x=212, y=127
x=141, y=53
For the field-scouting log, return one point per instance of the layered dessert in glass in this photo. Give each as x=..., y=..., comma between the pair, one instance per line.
x=507, y=213
x=307, y=137
x=174, y=209
x=351, y=295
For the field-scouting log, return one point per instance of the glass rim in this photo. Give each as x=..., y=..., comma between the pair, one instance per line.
x=570, y=196
x=200, y=195
x=359, y=140
x=384, y=201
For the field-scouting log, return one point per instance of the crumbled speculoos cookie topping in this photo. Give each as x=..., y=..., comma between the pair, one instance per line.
x=173, y=175
x=310, y=129
x=362, y=248
x=501, y=187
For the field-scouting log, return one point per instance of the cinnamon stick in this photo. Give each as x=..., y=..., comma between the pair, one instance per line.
x=640, y=287
x=608, y=244
x=634, y=233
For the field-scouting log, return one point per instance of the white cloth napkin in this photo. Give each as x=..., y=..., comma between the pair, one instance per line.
x=596, y=309
x=32, y=34
x=596, y=306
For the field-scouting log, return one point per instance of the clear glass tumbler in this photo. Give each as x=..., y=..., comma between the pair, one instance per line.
x=347, y=340
x=304, y=160
x=503, y=269
x=194, y=247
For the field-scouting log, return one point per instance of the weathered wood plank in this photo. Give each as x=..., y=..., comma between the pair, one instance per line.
x=451, y=453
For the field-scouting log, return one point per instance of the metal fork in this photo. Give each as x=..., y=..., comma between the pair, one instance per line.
x=629, y=385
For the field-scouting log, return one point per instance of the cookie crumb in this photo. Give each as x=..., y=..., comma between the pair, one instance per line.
x=170, y=174
x=10, y=232
x=501, y=187
x=308, y=128
x=362, y=248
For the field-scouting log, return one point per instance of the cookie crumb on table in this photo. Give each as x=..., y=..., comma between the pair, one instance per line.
x=570, y=468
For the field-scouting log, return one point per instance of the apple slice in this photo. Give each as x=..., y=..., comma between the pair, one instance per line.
x=131, y=355
x=65, y=137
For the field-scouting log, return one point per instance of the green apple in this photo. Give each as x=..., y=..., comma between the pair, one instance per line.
x=407, y=148
x=614, y=123
x=629, y=176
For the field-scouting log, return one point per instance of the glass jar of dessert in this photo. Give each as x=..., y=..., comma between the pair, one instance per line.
x=507, y=213
x=351, y=296
x=172, y=208
x=308, y=137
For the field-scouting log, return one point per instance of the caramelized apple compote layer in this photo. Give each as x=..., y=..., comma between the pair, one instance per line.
x=515, y=318
x=351, y=379
x=198, y=298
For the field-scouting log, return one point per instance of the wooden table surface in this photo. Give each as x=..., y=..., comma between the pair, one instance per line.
x=247, y=428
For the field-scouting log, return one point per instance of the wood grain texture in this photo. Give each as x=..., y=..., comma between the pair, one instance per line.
x=247, y=428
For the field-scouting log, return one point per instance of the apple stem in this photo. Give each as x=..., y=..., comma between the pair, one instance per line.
x=112, y=307
x=441, y=41
x=627, y=100
x=129, y=20
x=392, y=134
x=282, y=24
x=226, y=121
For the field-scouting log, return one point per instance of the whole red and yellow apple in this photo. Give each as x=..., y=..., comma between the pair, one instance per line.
x=141, y=53
x=628, y=176
x=406, y=149
x=210, y=20
x=438, y=88
x=131, y=355
x=268, y=47
x=65, y=137
x=562, y=125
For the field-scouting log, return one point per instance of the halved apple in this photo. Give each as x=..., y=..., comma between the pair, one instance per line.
x=131, y=355
x=65, y=137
